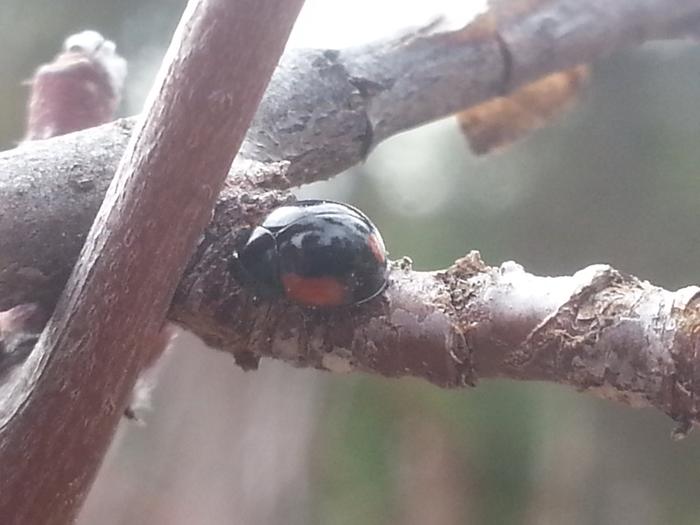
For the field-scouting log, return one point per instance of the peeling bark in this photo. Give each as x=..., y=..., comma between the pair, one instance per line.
x=599, y=330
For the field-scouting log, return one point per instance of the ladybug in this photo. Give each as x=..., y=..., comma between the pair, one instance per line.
x=317, y=253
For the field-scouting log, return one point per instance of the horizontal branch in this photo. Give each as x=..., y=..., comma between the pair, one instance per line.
x=598, y=330
x=323, y=111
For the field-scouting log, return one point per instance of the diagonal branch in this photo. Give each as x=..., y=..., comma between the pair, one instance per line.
x=323, y=111
x=60, y=408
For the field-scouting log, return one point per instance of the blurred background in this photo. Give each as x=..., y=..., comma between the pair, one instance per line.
x=615, y=180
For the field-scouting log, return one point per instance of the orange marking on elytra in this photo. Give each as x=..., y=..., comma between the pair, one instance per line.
x=314, y=291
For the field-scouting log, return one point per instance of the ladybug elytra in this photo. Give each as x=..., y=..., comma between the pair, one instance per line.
x=317, y=253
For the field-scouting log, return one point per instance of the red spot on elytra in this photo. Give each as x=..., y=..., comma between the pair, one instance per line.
x=314, y=291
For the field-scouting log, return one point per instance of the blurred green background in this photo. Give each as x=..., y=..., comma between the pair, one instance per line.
x=615, y=180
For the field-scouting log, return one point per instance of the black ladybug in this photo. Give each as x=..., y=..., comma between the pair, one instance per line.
x=317, y=253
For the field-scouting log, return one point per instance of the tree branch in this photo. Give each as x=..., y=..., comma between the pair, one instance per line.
x=598, y=330
x=323, y=111
x=60, y=409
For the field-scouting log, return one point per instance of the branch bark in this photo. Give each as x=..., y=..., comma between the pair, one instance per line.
x=323, y=111
x=60, y=409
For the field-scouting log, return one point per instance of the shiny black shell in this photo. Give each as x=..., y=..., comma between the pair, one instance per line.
x=317, y=253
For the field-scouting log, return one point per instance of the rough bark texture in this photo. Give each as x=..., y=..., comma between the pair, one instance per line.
x=60, y=409
x=323, y=112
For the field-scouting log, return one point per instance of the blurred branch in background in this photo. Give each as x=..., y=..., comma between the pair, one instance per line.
x=79, y=89
x=430, y=485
